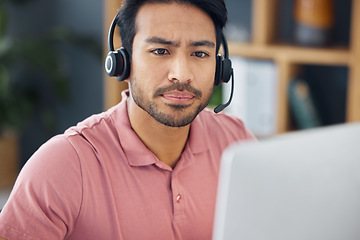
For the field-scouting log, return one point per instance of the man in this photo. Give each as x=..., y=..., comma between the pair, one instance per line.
x=148, y=167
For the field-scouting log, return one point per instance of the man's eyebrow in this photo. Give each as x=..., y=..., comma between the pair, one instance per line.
x=205, y=43
x=161, y=41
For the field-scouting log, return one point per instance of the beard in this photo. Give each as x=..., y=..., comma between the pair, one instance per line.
x=181, y=114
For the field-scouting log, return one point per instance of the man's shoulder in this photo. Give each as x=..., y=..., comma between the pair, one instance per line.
x=91, y=122
x=94, y=132
x=96, y=124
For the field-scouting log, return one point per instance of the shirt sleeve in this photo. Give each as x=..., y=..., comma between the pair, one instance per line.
x=46, y=198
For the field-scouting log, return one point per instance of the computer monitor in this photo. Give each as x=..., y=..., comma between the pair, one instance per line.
x=300, y=186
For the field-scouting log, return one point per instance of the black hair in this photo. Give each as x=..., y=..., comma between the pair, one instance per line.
x=216, y=9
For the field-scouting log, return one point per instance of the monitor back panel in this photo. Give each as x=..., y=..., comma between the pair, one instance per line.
x=299, y=186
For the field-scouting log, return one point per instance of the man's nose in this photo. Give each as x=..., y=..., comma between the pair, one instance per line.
x=180, y=69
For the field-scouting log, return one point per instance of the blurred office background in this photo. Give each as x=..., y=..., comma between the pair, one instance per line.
x=84, y=70
x=259, y=32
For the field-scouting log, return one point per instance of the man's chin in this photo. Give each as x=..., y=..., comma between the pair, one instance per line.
x=179, y=106
x=177, y=116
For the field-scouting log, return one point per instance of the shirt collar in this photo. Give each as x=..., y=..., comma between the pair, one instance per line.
x=136, y=152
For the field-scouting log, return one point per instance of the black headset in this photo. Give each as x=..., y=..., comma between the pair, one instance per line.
x=117, y=63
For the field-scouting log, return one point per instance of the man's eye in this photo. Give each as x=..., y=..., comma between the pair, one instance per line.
x=160, y=51
x=200, y=54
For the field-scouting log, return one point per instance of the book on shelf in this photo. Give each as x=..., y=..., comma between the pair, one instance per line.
x=302, y=105
x=255, y=94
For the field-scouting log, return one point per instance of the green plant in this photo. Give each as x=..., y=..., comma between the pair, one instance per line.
x=33, y=57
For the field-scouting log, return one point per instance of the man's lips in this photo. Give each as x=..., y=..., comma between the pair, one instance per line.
x=178, y=91
x=178, y=96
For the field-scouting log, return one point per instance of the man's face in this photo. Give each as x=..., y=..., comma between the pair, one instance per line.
x=173, y=62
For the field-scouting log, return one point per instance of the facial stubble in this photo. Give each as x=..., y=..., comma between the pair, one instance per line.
x=179, y=116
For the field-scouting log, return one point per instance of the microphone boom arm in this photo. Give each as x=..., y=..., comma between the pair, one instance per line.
x=223, y=106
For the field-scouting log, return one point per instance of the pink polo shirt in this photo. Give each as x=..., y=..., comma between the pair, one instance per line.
x=98, y=181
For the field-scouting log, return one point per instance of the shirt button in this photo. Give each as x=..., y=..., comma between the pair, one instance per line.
x=178, y=198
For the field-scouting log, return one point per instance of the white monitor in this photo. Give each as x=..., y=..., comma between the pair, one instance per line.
x=299, y=186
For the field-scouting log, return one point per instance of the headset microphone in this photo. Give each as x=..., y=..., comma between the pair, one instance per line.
x=224, y=72
x=223, y=106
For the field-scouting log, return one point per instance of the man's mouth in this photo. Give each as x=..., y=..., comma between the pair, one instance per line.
x=178, y=91
x=178, y=97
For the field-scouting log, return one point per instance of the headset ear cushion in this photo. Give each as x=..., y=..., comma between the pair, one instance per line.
x=226, y=70
x=125, y=72
x=219, y=70
x=117, y=64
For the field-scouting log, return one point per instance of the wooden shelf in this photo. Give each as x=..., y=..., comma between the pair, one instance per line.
x=353, y=99
x=292, y=54
x=288, y=59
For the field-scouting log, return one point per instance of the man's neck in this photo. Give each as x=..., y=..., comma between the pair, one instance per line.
x=167, y=143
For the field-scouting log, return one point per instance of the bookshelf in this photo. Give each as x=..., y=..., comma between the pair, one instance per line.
x=288, y=58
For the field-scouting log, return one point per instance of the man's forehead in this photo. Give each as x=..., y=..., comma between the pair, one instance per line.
x=173, y=23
